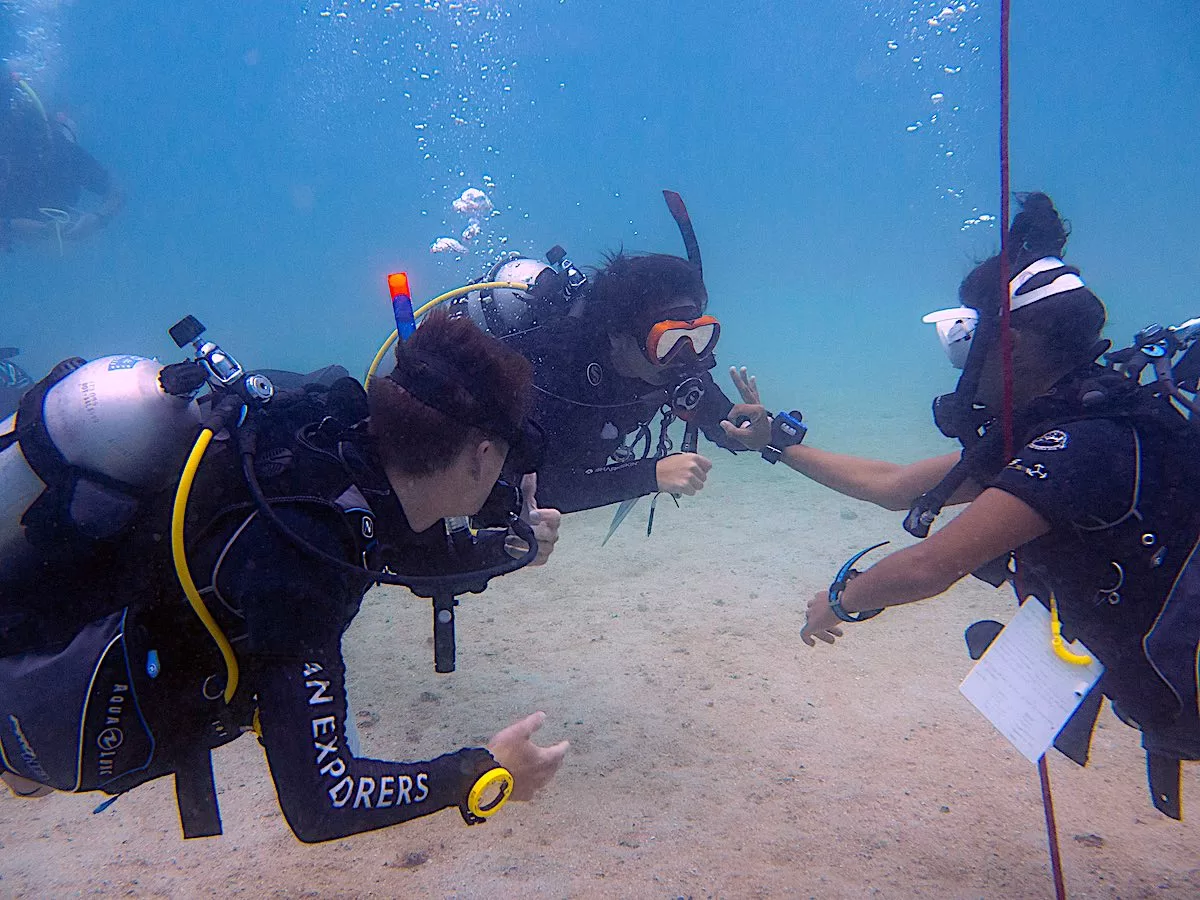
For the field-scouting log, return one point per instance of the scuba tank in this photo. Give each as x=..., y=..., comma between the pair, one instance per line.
x=87, y=440
x=502, y=312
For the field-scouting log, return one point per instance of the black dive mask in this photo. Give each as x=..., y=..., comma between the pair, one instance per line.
x=957, y=415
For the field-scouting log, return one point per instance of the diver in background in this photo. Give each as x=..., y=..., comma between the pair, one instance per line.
x=364, y=485
x=617, y=357
x=1098, y=508
x=14, y=382
x=44, y=174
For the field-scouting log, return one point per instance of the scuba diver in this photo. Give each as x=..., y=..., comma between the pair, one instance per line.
x=14, y=381
x=1096, y=514
x=292, y=504
x=611, y=354
x=44, y=174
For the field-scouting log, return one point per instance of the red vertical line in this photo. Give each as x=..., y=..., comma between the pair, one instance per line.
x=1005, y=305
x=1060, y=886
x=1060, y=889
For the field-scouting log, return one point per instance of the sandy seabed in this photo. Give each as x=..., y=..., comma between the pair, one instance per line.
x=712, y=754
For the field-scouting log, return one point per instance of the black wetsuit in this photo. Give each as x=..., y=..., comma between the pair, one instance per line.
x=285, y=613
x=296, y=611
x=1121, y=499
x=41, y=167
x=589, y=411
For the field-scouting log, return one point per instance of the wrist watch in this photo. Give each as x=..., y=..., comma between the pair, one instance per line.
x=787, y=430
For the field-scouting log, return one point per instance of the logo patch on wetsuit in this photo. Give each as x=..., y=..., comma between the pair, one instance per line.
x=1051, y=440
x=594, y=373
x=1037, y=470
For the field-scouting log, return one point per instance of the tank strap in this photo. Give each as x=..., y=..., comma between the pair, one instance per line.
x=196, y=795
x=39, y=450
x=1163, y=774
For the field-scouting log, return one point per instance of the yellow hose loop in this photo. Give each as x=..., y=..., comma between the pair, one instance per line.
x=181, y=566
x=29, y=92
x=1061, y=650
x=441, y=298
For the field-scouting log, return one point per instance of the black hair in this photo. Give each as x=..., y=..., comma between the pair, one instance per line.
x=630, y=291
x=1068, y=324
x=1037, y=231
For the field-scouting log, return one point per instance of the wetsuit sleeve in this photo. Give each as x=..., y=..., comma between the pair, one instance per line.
x=713, y=408
x=569, y=482
x=296, y=610
x=1081, y=474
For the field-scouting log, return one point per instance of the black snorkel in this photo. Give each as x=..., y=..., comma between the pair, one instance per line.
x=680, y=214
x=960, y=418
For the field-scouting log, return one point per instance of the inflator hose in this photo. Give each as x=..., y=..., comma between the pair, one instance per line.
x=181, y=565
x=441, y=298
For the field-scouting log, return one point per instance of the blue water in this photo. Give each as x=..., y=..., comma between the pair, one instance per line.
x=840, y=161
x=281, y=157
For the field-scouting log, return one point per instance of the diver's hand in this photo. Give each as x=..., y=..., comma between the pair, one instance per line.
x=750, y=424
x=87, y=224
x=746, y=384
x=682, y=473
x=545, y=522
x=820, y=623
x=531, y=766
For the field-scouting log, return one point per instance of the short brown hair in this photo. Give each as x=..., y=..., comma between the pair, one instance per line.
x=417, y=439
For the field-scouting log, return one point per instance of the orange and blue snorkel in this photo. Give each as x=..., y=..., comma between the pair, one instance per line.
x=402, y=307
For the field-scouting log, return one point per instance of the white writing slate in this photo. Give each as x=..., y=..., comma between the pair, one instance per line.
x=1023, y=688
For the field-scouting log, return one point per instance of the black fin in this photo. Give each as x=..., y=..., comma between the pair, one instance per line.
x=980, y=635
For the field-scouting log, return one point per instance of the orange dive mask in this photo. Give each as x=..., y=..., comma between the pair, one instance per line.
x=673, y=338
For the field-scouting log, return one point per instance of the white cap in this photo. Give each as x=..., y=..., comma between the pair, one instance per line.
x=1042, y=278
x=955, y=329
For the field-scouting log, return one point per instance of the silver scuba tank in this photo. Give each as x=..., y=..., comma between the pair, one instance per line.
x=109, y=417
x=503, y=311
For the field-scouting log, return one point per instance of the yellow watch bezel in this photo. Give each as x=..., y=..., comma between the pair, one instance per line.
x=483, y=783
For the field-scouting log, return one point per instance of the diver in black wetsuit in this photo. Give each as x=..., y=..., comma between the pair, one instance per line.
x=45, y=173
x=1095, y=513
x=605, y=385
x=617, y=358
x=368, y=480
